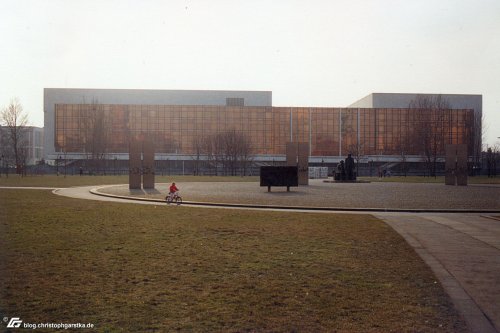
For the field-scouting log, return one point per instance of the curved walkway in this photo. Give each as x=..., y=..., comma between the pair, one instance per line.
x=462, y=249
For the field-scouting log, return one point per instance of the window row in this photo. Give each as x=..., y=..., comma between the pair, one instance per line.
x=268, y=129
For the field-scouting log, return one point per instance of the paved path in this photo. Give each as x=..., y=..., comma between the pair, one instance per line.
x=463, y=250
x=84, y=193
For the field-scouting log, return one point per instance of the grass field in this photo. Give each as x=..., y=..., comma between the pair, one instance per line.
x=134, y=268
x=68, y=181
x=440, y=179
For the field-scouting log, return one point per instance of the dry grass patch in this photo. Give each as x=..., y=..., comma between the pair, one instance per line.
x=77, y=180
x=130, y=268
x=438, y=179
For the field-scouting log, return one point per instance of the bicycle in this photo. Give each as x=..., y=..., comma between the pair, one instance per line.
x=173, y=198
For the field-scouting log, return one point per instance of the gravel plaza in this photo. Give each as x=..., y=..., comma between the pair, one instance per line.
x=378, y=195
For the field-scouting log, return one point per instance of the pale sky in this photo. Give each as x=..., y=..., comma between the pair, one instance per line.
x=308, y=53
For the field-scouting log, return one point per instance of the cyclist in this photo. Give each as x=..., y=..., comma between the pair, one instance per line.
x=173, y=191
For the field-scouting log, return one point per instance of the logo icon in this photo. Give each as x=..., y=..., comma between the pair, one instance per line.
x=14, y=322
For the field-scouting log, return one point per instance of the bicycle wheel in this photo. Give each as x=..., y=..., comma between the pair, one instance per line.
x=168, y=199
x=178, y=200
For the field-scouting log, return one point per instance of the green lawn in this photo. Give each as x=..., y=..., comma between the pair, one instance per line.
x=135, y=268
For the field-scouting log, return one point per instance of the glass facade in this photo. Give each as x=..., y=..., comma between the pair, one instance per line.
x=330, y=131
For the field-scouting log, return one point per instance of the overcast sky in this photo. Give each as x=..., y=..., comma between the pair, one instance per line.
x=308, y=53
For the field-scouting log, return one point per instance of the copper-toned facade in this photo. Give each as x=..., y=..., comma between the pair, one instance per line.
x=330, y=131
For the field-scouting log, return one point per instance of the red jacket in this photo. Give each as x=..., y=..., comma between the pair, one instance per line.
x=173, y=188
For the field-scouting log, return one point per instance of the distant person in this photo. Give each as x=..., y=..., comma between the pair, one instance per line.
x=81, y=171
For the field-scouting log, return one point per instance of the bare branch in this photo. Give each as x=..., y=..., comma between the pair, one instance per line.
x=14, y=138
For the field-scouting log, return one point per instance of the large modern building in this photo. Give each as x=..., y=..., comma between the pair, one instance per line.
x=379, y=127
x=452, y=101
x=66, y=113
x=402, y=101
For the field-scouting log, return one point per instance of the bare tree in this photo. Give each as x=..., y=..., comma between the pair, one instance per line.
x=347, y=131
x=404, y=147
x=208, y=149
x=15, y=147
x=403, y=158
x=245, y=152
x=96, y=132
x=230, y=150
x=496, y=158
x=429, y=128
x=492, y=157
x=479, y=136
x=220, y=152
x=405, y=144
x=357, y=151
x=198, y=152
x=237, y=151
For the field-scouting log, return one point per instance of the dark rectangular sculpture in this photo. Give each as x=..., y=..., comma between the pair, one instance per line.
x=461, y=165
x=148, y=164
x=303, y=163
x=456, y=165
x=279, y=176
x=297, y=154
x=134, y=175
